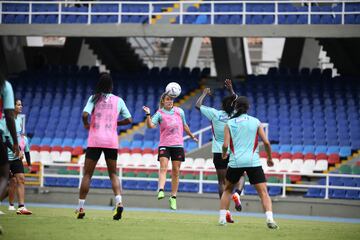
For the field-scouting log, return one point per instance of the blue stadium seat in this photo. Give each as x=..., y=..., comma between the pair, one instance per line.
x=250, y=190
x=338, y=193
x=210, y=188
x=345, y=151
x=153, y=186
x=275, y=190
x=352, y=194
x=96, y=183
x=313, y=193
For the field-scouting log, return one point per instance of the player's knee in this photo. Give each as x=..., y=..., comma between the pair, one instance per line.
x=20, y=179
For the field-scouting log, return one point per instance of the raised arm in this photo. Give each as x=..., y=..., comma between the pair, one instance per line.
x=188, y=132
x=199, y=102
x=267, y=146
x=148, y=121
x=229, y=87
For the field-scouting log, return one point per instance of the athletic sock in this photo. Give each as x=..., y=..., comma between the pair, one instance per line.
x=223, y=214
x=269, y=216
x=118, y=199
x=81, y=203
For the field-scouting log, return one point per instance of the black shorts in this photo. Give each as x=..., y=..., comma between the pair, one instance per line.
x=94, y=153
x=16, y=166
x=176, y=153
x=256, y=174
x=219, y=162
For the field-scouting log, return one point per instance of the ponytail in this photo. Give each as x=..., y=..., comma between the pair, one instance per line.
x=241, y=106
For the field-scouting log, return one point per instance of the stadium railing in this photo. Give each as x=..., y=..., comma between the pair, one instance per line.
x=200, y=132
x=328, y=185
x=207, y=12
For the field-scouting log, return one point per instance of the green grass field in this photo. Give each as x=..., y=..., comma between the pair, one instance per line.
x=60, y=224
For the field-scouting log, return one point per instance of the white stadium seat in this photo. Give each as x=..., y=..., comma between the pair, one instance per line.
x=55, y=156
x=199, y=163
x=321, y=165
x=187, y=164
x=35, y=156
x=45, y=157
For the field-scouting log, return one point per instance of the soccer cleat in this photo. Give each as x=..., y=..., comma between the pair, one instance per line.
x=222, y=222
x=11, y=208
x=161, y=195
x=272, y=225
x=80, y=213
x=2, y=213
x=229, y=218
x=172, y=203
x=236, y=199
x=118, y=212
x=23, y=211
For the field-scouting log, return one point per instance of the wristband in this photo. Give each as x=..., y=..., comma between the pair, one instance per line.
x=148, y=114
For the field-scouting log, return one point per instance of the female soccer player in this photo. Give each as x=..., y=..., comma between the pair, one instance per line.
x=241, y=134
x=17, y=181
x=104, y=108
x=218, y=120
x=6, y=120
x=172, y=124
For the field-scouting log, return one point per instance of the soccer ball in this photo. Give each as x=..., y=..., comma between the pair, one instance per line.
x=173, y=89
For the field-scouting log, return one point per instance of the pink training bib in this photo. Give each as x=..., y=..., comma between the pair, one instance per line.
x=103, y=125
x=171, y=129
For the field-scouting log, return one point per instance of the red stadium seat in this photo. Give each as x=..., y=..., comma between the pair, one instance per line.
x=136, y=150
x=275, y=155
x=321, y=156
x=286, y=155
x=334, y=158
x=77, y=151
x=68, y=149
x=57, y=148
x=297, y=155
x=263, y=154
x=309, y=156
x=124, y=150
x=35, y=148
x=147, y=150
x=45, y=148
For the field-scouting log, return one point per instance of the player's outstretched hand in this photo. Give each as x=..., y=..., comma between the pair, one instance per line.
x=207, y=91
x=146, y=109
x=228, y=84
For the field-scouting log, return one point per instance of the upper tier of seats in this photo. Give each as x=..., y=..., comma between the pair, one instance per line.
x=219, y=12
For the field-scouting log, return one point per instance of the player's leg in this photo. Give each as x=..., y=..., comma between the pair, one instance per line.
x=110, y=158
x=177, y=157
x=164, y=161
x=239, y=186
x=174, y=183
x=17, y=169
x=232, y=177
x=91, y=158
x=12, y=191
x=257, y=178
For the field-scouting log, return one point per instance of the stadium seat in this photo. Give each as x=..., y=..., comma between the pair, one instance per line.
x=250, y=190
